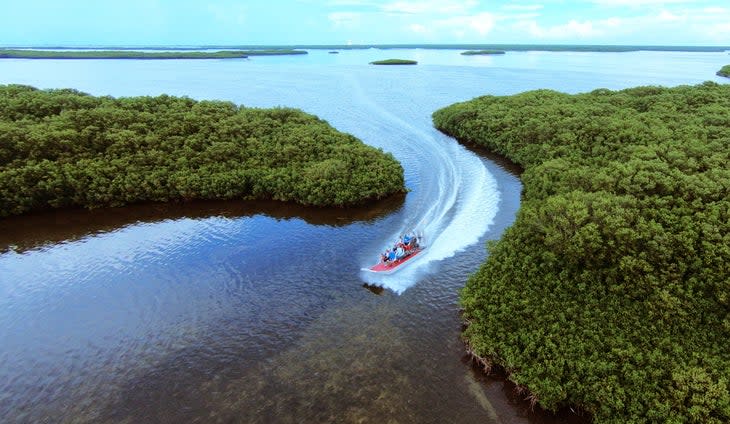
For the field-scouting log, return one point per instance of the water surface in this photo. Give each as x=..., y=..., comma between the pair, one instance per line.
x=257, y=312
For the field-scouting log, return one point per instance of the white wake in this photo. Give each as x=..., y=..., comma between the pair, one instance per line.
x=453, y=200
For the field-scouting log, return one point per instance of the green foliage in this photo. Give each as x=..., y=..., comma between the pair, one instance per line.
x=481, y=52
x=611, y=291
x=64, y=148
x=128, y=54
x=724, y=71
x=394, y=62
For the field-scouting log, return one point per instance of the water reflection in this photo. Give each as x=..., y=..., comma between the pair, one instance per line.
x=21, y=233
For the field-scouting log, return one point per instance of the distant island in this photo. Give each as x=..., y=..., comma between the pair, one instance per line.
x=130, y=54
x=724, y=71
x=482, y=52
x=64, y=148
x=610, y=290
x=334, y=52
x=394, y=62
x=505, y=47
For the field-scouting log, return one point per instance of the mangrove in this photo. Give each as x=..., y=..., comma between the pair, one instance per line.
x=482, y=52
x=611, y=290
x=127, y=54
x=63, y=148
x=394, y=62
x=724, y=71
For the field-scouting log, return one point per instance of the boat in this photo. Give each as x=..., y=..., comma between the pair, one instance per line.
x=412, y=247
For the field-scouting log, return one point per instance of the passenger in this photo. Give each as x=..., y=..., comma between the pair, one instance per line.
x=384, y=257
x=400, y=253
x=391, y=255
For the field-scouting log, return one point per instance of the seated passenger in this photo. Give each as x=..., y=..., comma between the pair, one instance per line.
x=391, y=255
x=400, y=253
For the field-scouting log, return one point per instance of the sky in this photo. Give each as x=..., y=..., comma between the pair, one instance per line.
x=287, y=22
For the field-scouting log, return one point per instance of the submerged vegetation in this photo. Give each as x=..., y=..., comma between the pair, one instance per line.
x=724, y=71
x=394, y=62
x=64, y=148
x=482, y=52
x=611, y=291
x=127, y=54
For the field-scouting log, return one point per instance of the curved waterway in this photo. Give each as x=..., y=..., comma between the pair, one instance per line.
x=259, y=311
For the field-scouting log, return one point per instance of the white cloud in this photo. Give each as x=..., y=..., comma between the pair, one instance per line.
x=481, y=24
x=418, y=29
x=523, y=7
x=571, y=30
x=231, y=14
x=667, y=16
x=637, y=3
x=678, y=23
x=344, y=19
x=430, y=7
x=351, y=3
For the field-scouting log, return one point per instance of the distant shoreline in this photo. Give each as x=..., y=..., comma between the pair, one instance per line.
x=137, y=54
x=392, y=62
x=724, y=71
x=482, y=52
x=505, y=47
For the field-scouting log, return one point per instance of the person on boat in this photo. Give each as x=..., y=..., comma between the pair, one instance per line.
x=400, y=253
x=391, y=255
x=384, y=257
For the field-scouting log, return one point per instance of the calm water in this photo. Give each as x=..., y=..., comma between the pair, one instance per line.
x=257, y=312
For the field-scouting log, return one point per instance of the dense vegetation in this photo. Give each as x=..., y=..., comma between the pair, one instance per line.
x=724, y=71
x=611, y=291
x=514, y=47
x=64, y=148
x=481, y=52
x=394, y=62
x=127, y=54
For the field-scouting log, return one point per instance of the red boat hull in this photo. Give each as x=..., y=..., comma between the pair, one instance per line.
x=389, y=267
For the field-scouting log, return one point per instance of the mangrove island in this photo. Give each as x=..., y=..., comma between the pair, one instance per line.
x=394, y=62
x=127, y=54
x=64, y=148
x=482, y=52
x=611, y=291
x=724, y=71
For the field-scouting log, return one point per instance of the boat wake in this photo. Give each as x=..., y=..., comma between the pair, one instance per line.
x=453, y=198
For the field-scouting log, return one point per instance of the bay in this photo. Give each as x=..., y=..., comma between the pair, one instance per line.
x=258, y=311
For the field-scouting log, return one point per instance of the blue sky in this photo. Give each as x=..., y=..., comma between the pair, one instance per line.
x=186, y=22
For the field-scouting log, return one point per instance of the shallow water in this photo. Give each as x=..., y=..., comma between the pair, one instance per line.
x=257, y=312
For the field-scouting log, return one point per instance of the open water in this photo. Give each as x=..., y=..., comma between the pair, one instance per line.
x=258, y=311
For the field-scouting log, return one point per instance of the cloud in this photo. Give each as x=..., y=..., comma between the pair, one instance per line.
x=667, y=16
x=570, y=30
x=523, y=7
x=418, y=29
x=345, y=19
x=459, y=26
x=430, y=7
x=637, y=3
x=229, y=14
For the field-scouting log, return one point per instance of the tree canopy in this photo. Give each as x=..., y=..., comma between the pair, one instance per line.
x=724, y=71
x=395, y=62
x=130, y=54
x=611, y=291
x=481, y=52
x=61, y=148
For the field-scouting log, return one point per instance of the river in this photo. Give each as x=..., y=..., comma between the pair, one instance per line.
x=258, y=311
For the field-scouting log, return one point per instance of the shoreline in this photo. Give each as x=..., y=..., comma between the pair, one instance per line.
x=506, y=47
x=141, y=55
